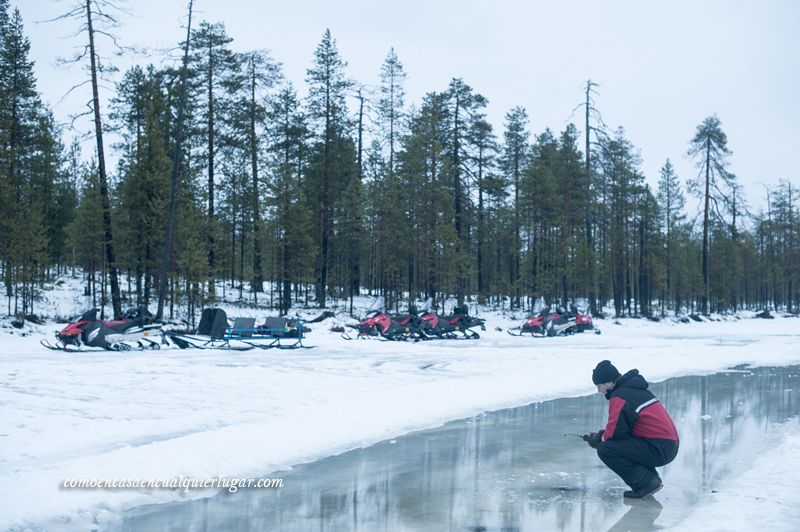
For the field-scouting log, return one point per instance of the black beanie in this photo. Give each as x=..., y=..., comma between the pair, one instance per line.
x=605, y=372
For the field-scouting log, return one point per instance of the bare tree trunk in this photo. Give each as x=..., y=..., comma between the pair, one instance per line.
x=706, y=287
x=176, y=157
x=211, y=140
x=258, y=274
x=98, y=127
x=322, y=283
x=589, y=240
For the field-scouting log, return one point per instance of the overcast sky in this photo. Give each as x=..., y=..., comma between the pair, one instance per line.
x=663, y=66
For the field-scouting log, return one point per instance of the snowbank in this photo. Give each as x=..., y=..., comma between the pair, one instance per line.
x=763, y=497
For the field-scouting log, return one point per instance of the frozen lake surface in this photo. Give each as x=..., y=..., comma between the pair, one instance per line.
x=510, y=470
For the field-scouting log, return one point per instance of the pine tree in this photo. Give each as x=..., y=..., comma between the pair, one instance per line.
x=61, y=209
x=214, y=65
x=46, y=181
x=650, y=263
x=574, y=187
x=423, y=163
x=672, y=202
x=261, y=73
x=620, y=165
x=710, y=147
x=85, y=235
x=464, y=107
x=513, y=162
x=20, y=122
x=328, y=114
x=484, y=150
x=539, y=204
x=291, y=223
x=390, y=105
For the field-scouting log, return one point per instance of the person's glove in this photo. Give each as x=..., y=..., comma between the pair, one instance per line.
x=593, y=439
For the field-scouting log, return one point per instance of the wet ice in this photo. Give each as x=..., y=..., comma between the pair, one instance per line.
x=512, y=469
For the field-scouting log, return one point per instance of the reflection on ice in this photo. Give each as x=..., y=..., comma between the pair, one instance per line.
x=508, y=470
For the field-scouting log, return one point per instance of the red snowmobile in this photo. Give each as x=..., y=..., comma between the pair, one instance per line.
x=583, y=316
x=560, y=322
x=379, y=324
x=457, y=326
x=134, y=329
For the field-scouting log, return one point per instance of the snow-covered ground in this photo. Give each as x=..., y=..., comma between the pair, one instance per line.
x=764, y=497
x=200, y=414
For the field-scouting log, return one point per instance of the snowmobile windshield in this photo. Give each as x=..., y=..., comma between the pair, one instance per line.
x=427, y=307
x=89, y=315
x=582, y=305
x=539, y=305
x=378, y=304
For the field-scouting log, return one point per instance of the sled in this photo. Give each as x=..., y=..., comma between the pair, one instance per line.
x=275, y=332
x=210, y=334
x=214, y=333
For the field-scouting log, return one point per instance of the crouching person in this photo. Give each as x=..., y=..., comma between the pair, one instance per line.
x=639, y=435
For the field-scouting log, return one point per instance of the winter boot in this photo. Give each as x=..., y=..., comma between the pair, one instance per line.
x=649, y=488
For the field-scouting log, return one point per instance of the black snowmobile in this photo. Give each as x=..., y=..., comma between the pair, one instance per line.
x=546, y=322
x=412, y=323
x=562, y=322
x=459, y=325
x=136, y=329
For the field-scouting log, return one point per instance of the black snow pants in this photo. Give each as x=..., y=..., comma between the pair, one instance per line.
x=635, y=459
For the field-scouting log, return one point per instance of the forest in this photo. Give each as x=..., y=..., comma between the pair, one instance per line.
x=225, y=180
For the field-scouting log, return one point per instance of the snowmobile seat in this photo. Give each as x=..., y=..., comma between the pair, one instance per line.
x=274, y=326
x=213, y=323
x=242, y=327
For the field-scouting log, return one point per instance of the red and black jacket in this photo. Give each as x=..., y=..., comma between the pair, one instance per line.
x=634, y=412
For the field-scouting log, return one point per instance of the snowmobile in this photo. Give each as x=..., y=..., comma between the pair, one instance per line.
x=560, y=322
x=135, y=329
x=537, y=322
x=412, y=321
x=380, y=325
x=583, y=316
x=457, y=326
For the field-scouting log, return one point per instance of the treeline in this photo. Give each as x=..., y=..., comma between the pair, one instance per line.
x=353, y=190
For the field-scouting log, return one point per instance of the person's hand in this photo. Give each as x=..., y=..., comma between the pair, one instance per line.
x=593, y=439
